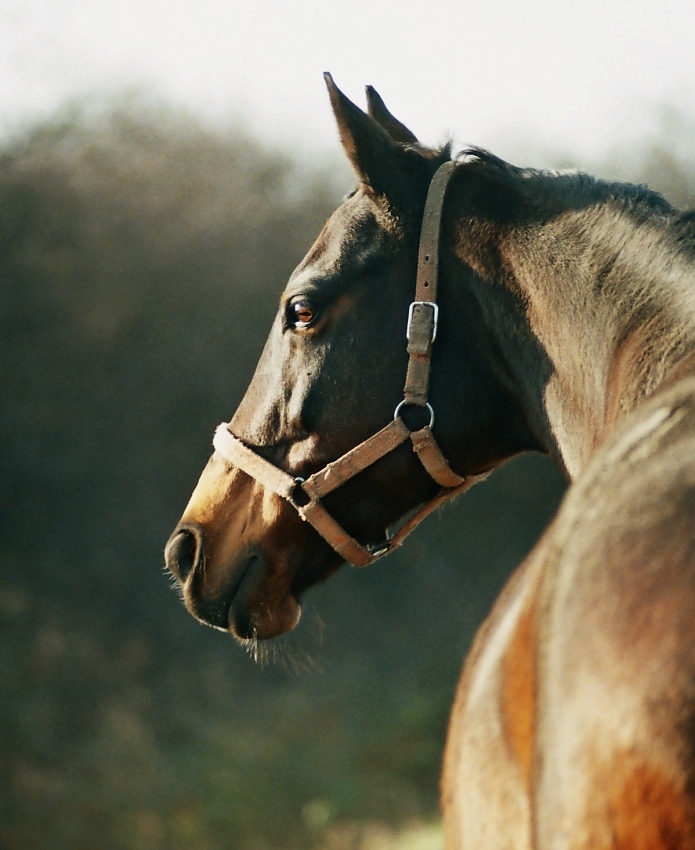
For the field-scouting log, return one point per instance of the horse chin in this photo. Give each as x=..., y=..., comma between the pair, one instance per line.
x=263, y=621
x=252, y=619
x=246, y=603
x=261, y=608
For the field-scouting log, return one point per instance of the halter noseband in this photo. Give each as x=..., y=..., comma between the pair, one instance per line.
x=305, y=495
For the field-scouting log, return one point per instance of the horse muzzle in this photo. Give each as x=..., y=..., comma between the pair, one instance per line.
x=236, y=599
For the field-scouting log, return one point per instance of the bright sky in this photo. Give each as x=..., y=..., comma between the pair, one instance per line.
x=577, y=75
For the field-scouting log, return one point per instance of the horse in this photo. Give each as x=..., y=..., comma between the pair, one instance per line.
x=544, y=311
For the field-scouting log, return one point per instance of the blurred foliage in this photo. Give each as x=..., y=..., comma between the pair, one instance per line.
x=665, y=161
x=141, y=257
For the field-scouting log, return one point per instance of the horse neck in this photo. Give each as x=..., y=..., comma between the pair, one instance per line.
x=584, y=298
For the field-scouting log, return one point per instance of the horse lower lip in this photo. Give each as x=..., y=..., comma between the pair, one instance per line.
x=239, y=618
x=218, y=610
x=251, y=616
x=269, y=624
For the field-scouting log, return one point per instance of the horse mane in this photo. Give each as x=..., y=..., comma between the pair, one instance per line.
x=571, y=187
x=684, y=228
x=555, y=189
x=655, y=241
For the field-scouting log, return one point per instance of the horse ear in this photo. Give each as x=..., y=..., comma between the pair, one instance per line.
x=375, y=156
x=377, y=109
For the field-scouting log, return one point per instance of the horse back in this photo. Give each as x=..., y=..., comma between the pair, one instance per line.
x=579, y=696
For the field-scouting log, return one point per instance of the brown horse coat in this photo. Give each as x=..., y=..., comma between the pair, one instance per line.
x=575, y=710
x=567, y=326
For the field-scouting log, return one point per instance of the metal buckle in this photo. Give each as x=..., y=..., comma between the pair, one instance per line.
x=435, y=317
x=305, y=498
x=376, y=550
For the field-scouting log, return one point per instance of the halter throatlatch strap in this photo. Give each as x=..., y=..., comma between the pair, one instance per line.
x=305, y=495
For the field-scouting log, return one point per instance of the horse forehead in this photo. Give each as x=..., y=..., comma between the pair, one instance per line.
x=349, y=236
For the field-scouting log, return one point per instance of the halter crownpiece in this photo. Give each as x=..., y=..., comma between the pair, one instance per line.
x=421, y=331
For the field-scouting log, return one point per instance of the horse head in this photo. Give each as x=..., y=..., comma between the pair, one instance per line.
x=329, y=377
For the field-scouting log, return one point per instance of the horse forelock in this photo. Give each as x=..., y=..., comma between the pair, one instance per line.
x=438, y=155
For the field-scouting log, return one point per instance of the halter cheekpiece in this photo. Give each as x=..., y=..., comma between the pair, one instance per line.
x=421, y=331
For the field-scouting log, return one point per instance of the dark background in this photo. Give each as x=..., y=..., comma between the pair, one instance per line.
x=141, y=258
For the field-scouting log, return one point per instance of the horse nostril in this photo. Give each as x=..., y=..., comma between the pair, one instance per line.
x=182, y=553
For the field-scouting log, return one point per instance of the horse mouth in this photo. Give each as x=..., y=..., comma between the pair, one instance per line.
x=256, y=613
x=238, y=598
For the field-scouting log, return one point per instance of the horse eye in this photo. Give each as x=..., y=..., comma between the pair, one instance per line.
x=301, y=313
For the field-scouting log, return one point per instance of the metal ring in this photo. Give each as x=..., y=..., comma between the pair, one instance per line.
x=291, y=498
x=404, y=402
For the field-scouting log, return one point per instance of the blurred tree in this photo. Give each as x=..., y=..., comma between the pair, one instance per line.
x=665, y=161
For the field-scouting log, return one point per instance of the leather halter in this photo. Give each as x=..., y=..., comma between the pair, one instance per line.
x=305, y=495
